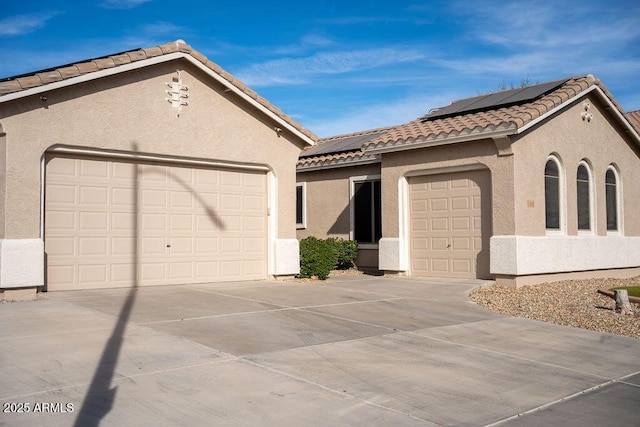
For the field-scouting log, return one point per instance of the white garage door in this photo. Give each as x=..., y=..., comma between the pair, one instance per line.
x=450, y=224
x=181, y=225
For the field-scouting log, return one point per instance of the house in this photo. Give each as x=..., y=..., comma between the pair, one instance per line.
x=147, y=167
x=522, y=186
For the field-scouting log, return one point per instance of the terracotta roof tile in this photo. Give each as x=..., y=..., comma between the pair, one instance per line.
x=29, y=81
x=634, y=119
x=152, y=51
x=137, y=55
x=170, y=48
x=87, y=67
x=103, y=63
x=121, y=59
x=10, y=87
x=18, y=84
x=49, y=77
x=200, y=57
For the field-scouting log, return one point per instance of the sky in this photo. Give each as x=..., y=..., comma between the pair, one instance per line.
x=345, y=66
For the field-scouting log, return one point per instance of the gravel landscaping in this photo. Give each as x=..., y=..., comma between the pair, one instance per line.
x=570, y=303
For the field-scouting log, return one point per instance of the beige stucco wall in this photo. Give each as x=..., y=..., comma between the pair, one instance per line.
x=327, y=206
x=601, y=142
x=444, y=159
x=116, y=112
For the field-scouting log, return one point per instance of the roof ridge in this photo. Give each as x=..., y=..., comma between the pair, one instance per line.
x=64, y=72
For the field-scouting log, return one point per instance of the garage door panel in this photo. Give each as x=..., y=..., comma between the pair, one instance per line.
x=439, y=224
x=153, y=199
x=61, y=194
x=61, y=246
x=437, y=243
x=461, y=224
x=92, y=196
x=439, y=204
x=181, y=222
x=181, y=199
x=93, y=221
x=180, y=270
x=456, y=208
x=97, y=225
x=63, y=221
x=206, y=223
x=123, y=246
x=92, y=273
x=60, y=276
x=93, y=169
x=123, y=221
x=459, y=203
x=464, y=266
x=122, y=274
x=92, y=246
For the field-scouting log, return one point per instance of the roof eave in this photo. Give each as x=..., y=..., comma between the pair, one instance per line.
x=153, y=61
x=366, y=159
x=434, y=141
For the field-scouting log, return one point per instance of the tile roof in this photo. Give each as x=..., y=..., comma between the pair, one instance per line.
x=339, y=149
x=42, y=78
x=467, y=125
x=510, y=118
x=634, y=119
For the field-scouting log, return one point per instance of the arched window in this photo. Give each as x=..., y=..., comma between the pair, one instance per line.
x=611, y=195
x=583, y=181
x=552, y=194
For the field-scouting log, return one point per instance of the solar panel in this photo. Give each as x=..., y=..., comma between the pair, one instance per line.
x=340, y=145
x=494, y=100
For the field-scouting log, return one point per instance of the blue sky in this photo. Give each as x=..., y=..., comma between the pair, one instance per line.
x=349, y=65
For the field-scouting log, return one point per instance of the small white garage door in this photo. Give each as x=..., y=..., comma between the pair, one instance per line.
x=181, y=225
x=450, y=224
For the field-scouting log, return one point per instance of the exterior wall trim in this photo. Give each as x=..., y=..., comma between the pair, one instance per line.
x=527, y=255
x=21, y=263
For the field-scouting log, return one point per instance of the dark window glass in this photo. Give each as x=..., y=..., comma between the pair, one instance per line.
x=367, y=212
x=583, y=198
x=612, y=200
x=299, y=204
x=552, y=195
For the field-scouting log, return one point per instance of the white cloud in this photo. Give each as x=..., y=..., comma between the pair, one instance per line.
x=122, y=4
x=298, y=70
x=162, y=28
x=24, y=24
x=544, y=25
x=393, y=112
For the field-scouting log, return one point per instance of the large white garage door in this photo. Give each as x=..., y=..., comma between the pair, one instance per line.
x=181, y=225
x=450, y=224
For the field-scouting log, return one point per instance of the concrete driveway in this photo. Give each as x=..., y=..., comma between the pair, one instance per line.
x=359, y=351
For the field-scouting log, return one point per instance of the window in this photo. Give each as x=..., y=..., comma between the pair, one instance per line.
x=552, y=194
x=367, y=215
x=611, y=195
x=301, y=216
x=584, y=203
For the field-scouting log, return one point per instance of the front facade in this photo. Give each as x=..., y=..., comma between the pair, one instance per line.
x=144, y=168
x=535, y=189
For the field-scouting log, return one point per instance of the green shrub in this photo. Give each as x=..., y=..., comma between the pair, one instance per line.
x=347, y=251
x=317, y=258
